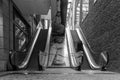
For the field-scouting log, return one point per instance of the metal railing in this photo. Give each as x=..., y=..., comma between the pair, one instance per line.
x=43, y=56
x=26, y=60
x=89, y=52
x=71, y=48
x=28, y=53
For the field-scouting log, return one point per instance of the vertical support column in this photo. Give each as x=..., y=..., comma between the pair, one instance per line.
x=3, y=38
x=53, y=9
x=2, y=55
x=46, y=23
x=73, y=14
x=10, y=25
x=63, y=11
x=81, y=13
x=76, y=12
x=6, y=32
x=43, y=21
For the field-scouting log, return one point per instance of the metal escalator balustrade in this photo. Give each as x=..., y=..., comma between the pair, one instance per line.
x=23, y=60
x=78, y=54
x=71, y=48
x=22, y=41
x=43, y=55
x=40, y=45
x=26, y=60
x=89, y=55
x=47, y=48
x=90, y=58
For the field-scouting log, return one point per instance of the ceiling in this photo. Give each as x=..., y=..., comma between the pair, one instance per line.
x=33, y=6
x=41, y=7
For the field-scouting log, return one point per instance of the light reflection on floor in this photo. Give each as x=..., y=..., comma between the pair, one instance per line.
x=66, y=57
x=59, y=55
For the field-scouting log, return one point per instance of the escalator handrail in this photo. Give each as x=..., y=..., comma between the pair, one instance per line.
x=85, y=40
x=48, y=40
x=47, y=46
x=71, y=47
x=91, y=61
x=89, y=56
x=68, y=48
x=26, y=60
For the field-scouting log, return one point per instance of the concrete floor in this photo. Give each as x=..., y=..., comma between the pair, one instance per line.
x=60, y=74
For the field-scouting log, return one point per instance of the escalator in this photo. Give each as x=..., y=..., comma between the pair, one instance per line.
x=40, y=44
x=71, y=48
x=79, y=47
x=30, y=60
x=87, y=61
x=90, y=55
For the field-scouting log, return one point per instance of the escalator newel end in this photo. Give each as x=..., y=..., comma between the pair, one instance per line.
x=103, y=69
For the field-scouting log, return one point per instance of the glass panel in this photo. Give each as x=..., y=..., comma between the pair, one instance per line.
x=21, y=38
x=95, y=1
x=85, y=1
x=85, y=8
x=84, y=15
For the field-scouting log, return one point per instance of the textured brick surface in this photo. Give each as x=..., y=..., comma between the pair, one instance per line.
x=102, y=29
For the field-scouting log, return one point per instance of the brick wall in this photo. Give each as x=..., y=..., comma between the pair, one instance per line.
x=102, y=30
x=6, y=31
